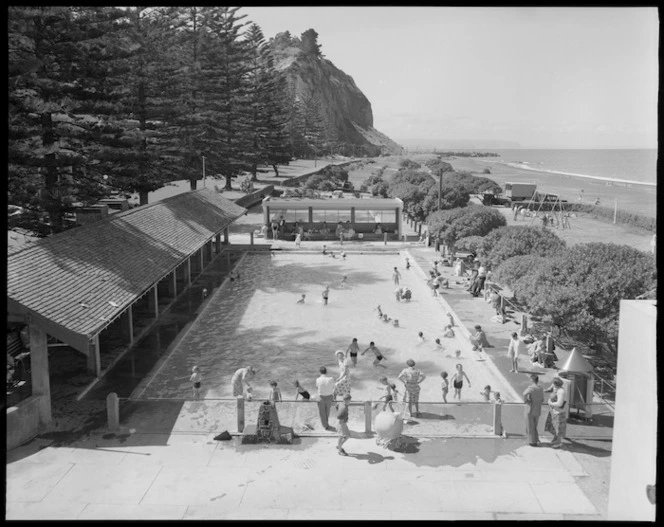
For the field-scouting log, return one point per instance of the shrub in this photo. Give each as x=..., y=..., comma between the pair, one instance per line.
x=409, y=163
x=506, y=242
x=580, y=289
x=475, y=220
x=469, y=243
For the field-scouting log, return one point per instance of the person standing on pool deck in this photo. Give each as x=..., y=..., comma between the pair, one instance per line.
x=240, y=380
x=396, y=275
x=411, y=377
x=533, y=396
x=342, y=417
x=457, y=381
x=342, y=384
x=325, y=387
x=326, y=293
x=196, y=378
x=353, y=349
x=377, y=353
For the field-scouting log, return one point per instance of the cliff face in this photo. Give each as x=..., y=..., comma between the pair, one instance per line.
x=344, y=108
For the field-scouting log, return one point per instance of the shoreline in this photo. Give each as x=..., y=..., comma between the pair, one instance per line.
x=620, y=182
x=636, y=199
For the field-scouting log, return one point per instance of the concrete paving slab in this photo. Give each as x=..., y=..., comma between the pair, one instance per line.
x=106, y=484
x=545, y=476
x=502, y=516
x=339, y=514
x=27, y=482
x=196, y=455
x=488, y=496
x=100, y=511
x=17, y=510
x=175, y=486
x=415, y=515
x=213, y=512
x=279, y=493
x=562, y=498
x=388, y=495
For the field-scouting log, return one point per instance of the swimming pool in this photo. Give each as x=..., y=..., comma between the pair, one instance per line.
x=257, y=321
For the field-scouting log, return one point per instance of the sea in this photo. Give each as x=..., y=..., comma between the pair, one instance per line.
x=634, y=166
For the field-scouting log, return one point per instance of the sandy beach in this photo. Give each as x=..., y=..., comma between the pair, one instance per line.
x=638, y=199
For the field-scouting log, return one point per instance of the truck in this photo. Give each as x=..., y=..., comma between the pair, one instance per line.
x=519, y=191
x=514, y=192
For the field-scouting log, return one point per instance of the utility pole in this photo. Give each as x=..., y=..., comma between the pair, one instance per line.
x=440, y=187
x=203, y=170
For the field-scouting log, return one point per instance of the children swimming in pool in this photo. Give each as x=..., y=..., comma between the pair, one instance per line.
x=301, y=392
x=301, y=300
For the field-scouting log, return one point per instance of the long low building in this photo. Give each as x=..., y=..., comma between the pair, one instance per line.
x=363, y=215
x=74, y=285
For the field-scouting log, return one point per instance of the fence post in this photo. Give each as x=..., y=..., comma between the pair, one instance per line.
x=524, y=324
x=240, y=414
x=497, y=419
x=367, y=417
x=385, y=238
x=251, y=238
x=113, y=411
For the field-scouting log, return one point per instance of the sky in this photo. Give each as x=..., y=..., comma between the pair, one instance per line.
x=542, y=77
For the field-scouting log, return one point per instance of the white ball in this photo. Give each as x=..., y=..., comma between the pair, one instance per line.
x=388, y=425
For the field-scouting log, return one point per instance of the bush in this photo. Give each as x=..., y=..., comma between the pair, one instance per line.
x=409, y=164
x=581, y=288
x=469, y=243
x=506, y=242
x=475, y=220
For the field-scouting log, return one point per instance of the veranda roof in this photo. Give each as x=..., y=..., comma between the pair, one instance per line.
x=75, y=282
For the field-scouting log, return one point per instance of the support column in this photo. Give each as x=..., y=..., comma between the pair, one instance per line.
x=228, y=260
x=188, y=271
x=226, y=236
x=201, y=258
x=173, y=284
x=41, y=383
x=94, y=359
x=153, y=301
x=126, y=325
x=130, y=320
x=217, y=242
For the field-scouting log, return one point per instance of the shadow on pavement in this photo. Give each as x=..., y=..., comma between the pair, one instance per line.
x=372, y=458
x=584, y=448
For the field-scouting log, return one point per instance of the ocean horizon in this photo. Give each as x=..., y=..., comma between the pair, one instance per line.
x=620, y=166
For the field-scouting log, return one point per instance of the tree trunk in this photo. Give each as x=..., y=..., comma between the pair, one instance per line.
x=276, y=170
x=228, y=183
x=254, y=170
x=52, y=202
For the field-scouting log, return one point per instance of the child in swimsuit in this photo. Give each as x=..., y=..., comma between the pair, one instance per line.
x=445, y=385
x=352, y=350
x=377, y=353
x=275, y=393
x=486, y=393
x=301, y=391
x=196, y=378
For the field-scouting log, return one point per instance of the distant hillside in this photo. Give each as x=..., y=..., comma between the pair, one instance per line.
x=343, y=106
x=459, y=144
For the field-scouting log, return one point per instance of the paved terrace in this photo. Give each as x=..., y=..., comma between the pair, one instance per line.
x=147, y=471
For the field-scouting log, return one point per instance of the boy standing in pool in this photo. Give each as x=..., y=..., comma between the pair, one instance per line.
x=326, y=293
x=377, y=353
x=353, y=349
x=196, y=379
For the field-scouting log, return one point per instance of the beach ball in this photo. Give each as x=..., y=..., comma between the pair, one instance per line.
x=388, y=425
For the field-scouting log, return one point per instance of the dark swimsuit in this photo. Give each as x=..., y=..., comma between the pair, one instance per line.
x=458, y=384
x=197, y=385
x=305, y=394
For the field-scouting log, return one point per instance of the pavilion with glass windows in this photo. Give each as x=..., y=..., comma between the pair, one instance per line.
x=325, y=218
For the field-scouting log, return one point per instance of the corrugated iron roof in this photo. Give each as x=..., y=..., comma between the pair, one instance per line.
x=84, y=277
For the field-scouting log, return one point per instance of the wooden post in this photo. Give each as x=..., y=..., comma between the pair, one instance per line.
x=385, y=238
x=524, y=324
x=94, y=356
x=226, y=236
x=497, y=419
x=188, y=270
x=113, y=411
x=367, y=417
x=41, y=383
x=201, y=258
x=130, y=321
x=251, y=237
x=217, y=242
x=240, y=414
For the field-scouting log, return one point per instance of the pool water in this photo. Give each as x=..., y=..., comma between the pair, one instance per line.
x=257, y=321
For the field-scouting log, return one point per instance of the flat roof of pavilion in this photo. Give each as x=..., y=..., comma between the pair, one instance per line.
x=335, y=203
x=75, y=283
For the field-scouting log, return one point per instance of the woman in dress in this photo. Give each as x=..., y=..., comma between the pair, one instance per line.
x=240, y=381
x=457, y=381
x=411, y=377
x=342, y=384
x=556, y=421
